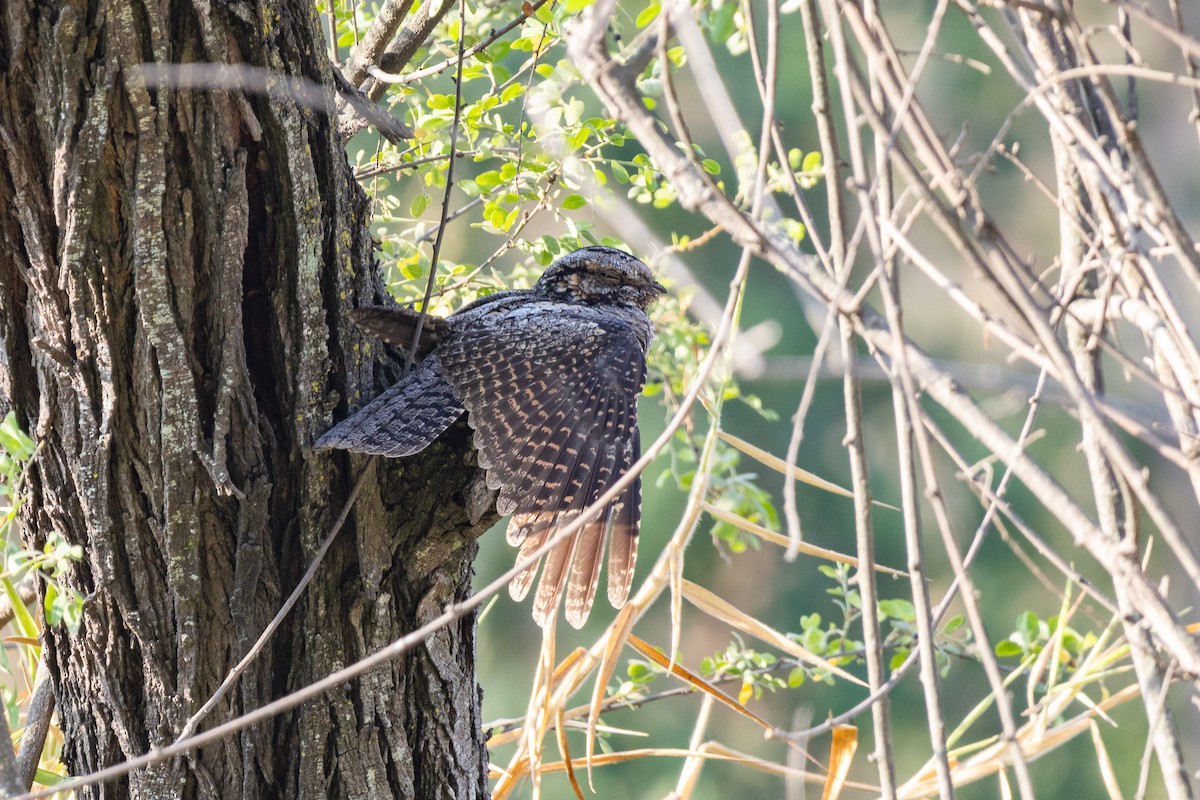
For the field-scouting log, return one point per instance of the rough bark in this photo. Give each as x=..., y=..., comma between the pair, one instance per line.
x=175, y=269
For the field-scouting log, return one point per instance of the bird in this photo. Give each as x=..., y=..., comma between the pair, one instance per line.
x=549, y=379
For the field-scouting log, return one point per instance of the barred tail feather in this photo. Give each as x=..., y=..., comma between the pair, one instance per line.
x=536, y=531
x=623, y=544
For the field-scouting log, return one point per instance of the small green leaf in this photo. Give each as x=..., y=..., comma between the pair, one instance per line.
x=15, y=440
x=47, y=778
x=1028, y=626
x=897, y=609
x=574, y=201
x=488, y=180
x=648, y=15
x=711, y=167
x=1008, y=648
x=513, y=91
x=418, y=205
x=510, y=220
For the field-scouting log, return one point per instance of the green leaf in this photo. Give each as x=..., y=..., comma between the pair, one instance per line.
x=47, y=778
x=24, y=621
x=720, y=24
x=711, y=167
x=511, y=219
x=418, y=205
x=1008, y=648
x=1028, y=626
x=14, y=440
x=488, y=180
x=648, y=15
x=513, y=91
x=897, y=609
x=574, y=201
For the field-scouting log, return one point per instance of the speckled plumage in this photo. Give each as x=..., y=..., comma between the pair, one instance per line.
x=549, y=378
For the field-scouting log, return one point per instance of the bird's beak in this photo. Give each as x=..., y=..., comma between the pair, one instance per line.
x=658, y=287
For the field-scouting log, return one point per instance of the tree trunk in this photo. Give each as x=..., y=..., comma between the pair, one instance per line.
x=173, y=281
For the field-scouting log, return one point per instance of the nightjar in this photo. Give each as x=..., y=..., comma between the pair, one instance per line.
x=549, y=378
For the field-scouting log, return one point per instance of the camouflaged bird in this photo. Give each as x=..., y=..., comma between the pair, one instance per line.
x=549, y=378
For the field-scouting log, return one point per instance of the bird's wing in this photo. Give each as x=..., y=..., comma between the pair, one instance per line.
x=551, y=391
x=403, y=420
x=396, y=325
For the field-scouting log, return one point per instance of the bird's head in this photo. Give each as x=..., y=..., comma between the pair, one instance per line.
x=600, y=276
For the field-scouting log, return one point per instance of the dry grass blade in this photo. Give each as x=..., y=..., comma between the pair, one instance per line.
x=746, y=525
x=841, y=756
x=621, y=627
x=784, y=771
x=574, y=718
x=538, y=713
x=697, y=682
x=1106, y=768
x=715, y=607
x=712, y=751
x=561, y=730
x=779, y=465
x=568, y=664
